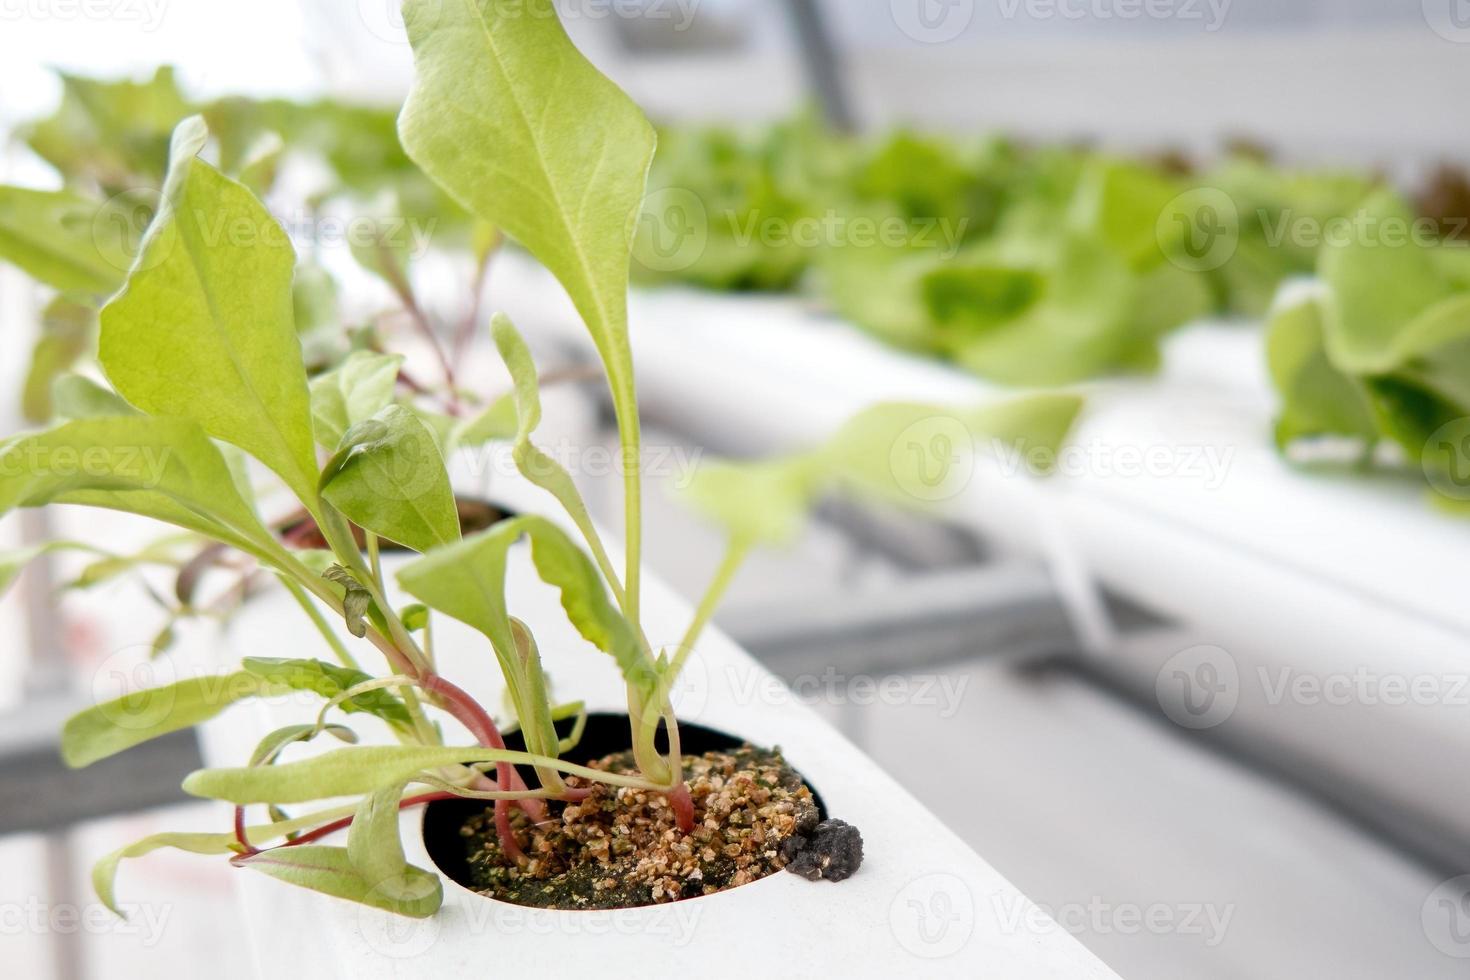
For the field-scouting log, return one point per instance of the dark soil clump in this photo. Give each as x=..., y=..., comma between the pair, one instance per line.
x=620, y=848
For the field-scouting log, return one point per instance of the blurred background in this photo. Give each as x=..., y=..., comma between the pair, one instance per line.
x=1210, y=711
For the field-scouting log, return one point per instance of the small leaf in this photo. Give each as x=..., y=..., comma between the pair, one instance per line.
x=329, y=680
x=414, y=617
x=13, y=562
x=389, y=478
x=355, y=602
x=63, y=240
x=329, y=870
x=376, y=850
x=767, y=501
x=107, y=729
x=467, y=581
x=269, y=747
x=68, y=331
x=74, y=396
x=354, y=391
x=164, y=641
x=104, y=872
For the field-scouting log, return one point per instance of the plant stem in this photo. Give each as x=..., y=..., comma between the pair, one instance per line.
x=724, y=575
x=398, y=280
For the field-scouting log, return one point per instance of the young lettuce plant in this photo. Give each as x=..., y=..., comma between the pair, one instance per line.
x=208, y=383
x=201, y=349
x=1376, y=351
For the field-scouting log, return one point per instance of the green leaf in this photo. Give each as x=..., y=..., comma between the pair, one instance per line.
x=107, y=729
x=329, y=680
x=497, y=421
x=104, y=872
x=519, y=127
x=63, y=240
x=329, y=870
x=68, y=331
x=1317, y=398
x=314, y=301
x=390, y=478
x=341, y=772
x=13, y=562
x=354, y=391
x=162, y=468
x=762, y=502
x=113, y=134
x=376, y=851
x=74, y=396
x=205, y=328
x=902, y=453
x=270, y=747
x=1377, y=288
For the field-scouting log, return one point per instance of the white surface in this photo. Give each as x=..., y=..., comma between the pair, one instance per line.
x=918, y=875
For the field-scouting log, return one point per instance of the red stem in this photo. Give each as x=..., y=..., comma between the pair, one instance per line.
x=482, y=727
x=683, y=805
x=240, y=834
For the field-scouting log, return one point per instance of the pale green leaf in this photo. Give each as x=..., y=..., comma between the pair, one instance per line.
x=161, y=468
x=205, y=327
x=522, y=130
x=104, y=872
x=354, y=391
x=107, y=729
x=329, y=870
x=467, y=581
x=341, y=772
x=390, y=479
x=74, y=396
x=270, y=747
x=64, y=240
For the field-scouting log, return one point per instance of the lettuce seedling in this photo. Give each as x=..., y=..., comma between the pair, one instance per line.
x=208, y=381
